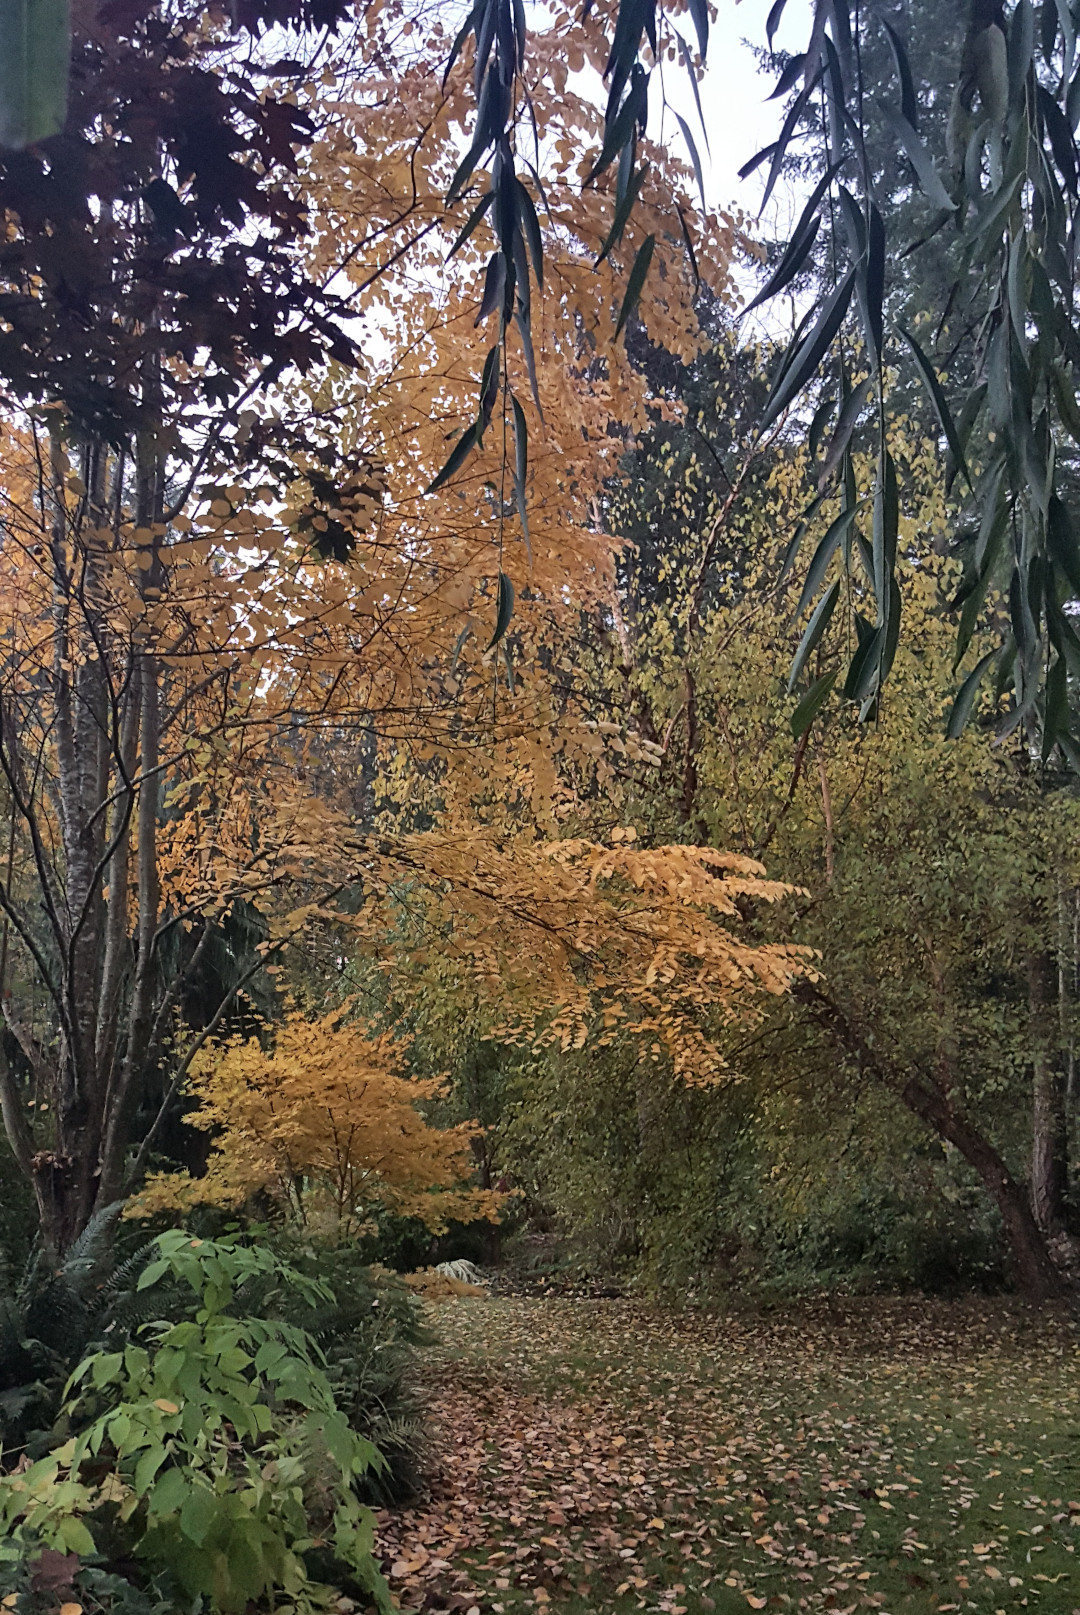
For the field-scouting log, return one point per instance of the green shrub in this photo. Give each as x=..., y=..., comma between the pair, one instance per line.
x=52, y=1313
x=369, y=1335
x=210, y=1449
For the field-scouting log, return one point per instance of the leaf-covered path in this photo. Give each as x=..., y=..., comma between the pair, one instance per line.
x=594, y=1456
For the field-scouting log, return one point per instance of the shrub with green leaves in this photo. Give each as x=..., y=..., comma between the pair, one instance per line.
x=211, y=1449
x=369, y=1335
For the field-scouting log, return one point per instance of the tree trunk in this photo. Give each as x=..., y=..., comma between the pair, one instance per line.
x=1036, y=1274
x=1035, y=1271
x=1048, y=1129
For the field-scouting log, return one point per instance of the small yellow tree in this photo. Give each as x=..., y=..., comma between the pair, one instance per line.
x=328, y=1124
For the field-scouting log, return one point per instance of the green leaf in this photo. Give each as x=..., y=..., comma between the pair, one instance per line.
x=1055, y=706
x=886, y=528
x=147, y=1467
x=1061, y=542
x=689, y=245
x=691, y=147
x=990, y=57
x=1065, y=398
x=871, y=286
x=941, y=407
x=525, y=332
x=797, y=252
x=791, y=553
x=969, y=616
x=462, y=35
x=814, y=629
x=504, y=609
x=198, y=1511
x=687, y=61
x=1061, y=138
x=75, y=1536
x=790, y=124
x=863, y=669
x=699, y=10
x=799, y=366
x=521, y=468
x=35, y=56
x=812, y=703
x=622, y=213
x=621, y=128
x=635, y=282
x=489, y=390
x=824, y=553
x=908, y=104
x=965, y=699
x=169, y=1493
x=845, y=426
x=772, y=22
x=1021, y=47
x=458, y=455
x=917, y=155
x=106, y=1368
x=494, y=286
x=791, y=75
x=530, y=225
x=151, y=1273
x=471, y=222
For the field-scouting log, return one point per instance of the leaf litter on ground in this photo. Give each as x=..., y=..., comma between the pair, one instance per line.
x=895, y=1456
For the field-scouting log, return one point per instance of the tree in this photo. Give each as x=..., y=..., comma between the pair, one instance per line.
x=205, y=600
x=934, y=876
x=327, y=1123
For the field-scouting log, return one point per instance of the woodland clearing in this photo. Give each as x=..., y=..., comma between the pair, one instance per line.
x=871, y=1454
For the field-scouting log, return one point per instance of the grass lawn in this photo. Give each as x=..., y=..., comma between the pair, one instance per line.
x=867, y=1455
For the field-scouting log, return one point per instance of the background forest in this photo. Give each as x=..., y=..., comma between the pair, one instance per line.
x=536, y=744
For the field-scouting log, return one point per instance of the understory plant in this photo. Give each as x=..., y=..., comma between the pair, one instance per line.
x=209, y=1450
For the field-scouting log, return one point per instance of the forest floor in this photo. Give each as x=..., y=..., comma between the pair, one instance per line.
x=594, y=1456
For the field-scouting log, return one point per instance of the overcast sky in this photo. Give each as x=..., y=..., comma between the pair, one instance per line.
x=738, y=116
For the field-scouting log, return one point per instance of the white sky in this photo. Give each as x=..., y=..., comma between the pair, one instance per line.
x=738, y=117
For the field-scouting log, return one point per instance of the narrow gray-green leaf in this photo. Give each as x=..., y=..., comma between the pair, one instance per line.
x=521, y=468
x=504, y=609
x=815, y=572
x=635, y=282
x=845, y=426
x=699, y=10
x=908, y=104
x=470, y=223
x=965, y=699
x=917, y=155
x=622, y=213
x=458, y=455
x=691, y=147
x=817, y=625
x=35, y=57
x=812, y=703
x=941, y=407
x=804, y=362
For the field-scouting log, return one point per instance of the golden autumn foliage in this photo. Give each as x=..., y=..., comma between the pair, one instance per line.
x=327, y=1123
x=247, y=664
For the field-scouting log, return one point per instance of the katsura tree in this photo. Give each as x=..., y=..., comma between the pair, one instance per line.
x=223, y=575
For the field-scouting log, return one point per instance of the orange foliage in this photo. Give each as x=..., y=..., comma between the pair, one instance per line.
x=327, y=1123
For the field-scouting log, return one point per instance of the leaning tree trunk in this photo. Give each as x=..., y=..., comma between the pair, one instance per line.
x=1036, y=1273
